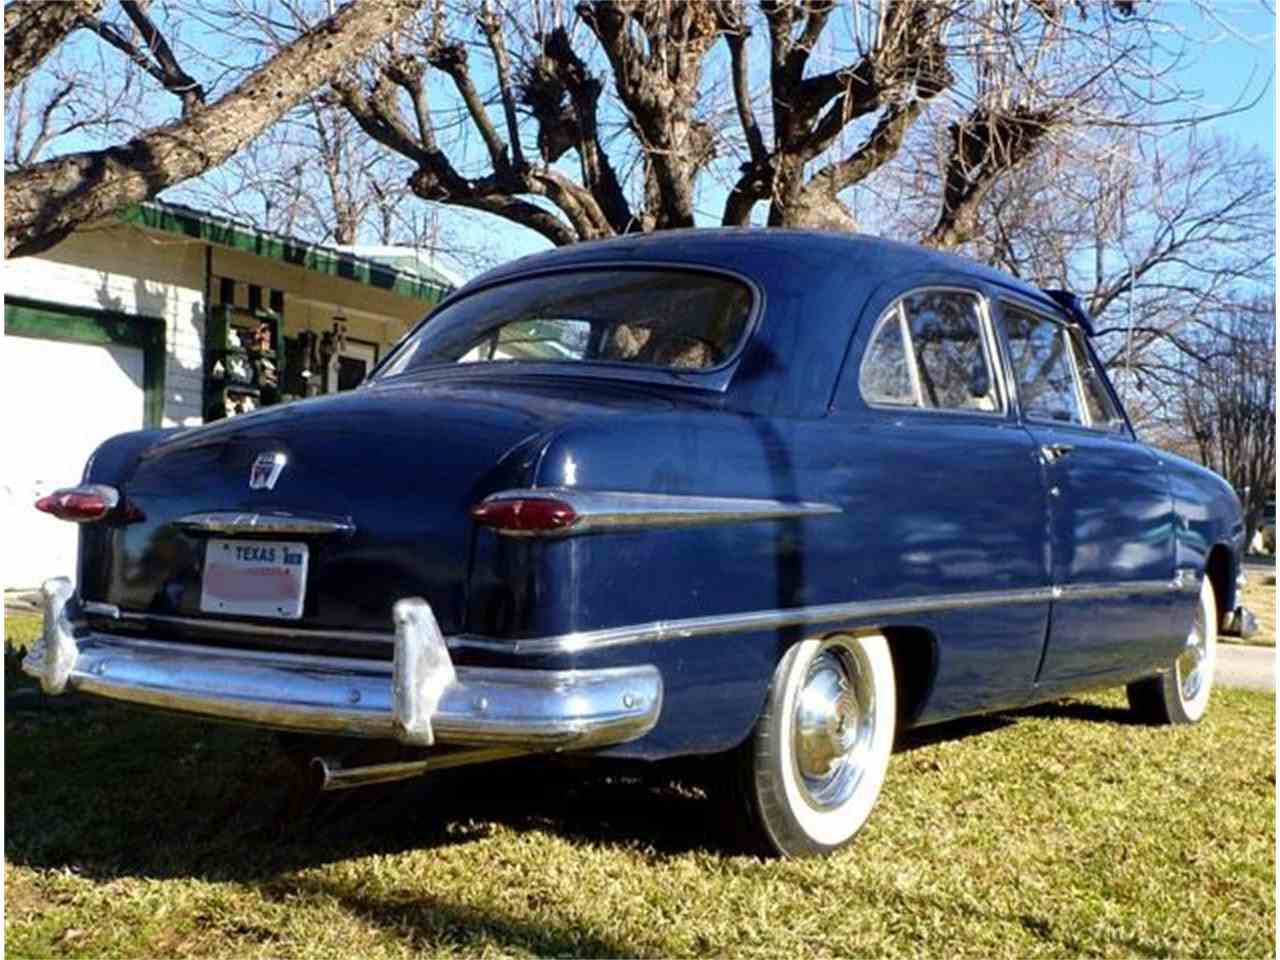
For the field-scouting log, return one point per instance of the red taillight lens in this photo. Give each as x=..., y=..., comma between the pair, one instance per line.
x=530, y=515
x=79, y=504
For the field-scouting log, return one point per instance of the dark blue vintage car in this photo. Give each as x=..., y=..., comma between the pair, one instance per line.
x=767, y=495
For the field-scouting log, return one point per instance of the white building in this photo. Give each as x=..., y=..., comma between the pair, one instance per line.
x=106, y=332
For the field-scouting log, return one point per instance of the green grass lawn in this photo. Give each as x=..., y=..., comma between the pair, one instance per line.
x=1062, y=830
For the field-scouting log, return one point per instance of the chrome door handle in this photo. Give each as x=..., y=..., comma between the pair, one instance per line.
x=1053, y=452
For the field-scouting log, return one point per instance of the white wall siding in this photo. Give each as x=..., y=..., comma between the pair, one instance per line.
x=127, y=271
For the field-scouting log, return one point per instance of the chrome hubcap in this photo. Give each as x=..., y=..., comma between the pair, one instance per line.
x=834, y=723
x=1191, y=664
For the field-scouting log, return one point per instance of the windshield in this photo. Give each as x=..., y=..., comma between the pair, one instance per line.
x=665, y=318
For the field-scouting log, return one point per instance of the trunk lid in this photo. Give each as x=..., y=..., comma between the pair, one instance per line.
x=403, y=464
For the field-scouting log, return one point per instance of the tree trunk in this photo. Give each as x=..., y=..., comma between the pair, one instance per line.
x=47, y=201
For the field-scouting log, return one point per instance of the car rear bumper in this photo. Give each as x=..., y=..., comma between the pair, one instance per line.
x=419, y=698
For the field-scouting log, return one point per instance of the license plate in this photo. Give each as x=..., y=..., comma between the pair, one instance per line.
x=256, y=578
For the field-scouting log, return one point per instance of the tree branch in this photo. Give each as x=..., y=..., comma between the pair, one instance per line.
x=492, y=27
x=660, y=90
x=176, y=80
x=34, y=29
x=881, y=145
x=736, y=35
x=565, y=71
x=436, y=178
x=451, y=58
x=984, y=145
x=48, y=200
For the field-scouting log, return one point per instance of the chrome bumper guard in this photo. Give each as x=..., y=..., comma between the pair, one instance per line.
x=420, y=698
x=1240, y=622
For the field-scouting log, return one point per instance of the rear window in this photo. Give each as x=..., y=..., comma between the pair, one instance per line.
x=669, y=319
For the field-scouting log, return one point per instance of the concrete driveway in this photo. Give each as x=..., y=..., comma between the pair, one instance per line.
x=1247, y=667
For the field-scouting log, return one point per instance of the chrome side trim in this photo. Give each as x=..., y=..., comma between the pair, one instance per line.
x=742, y=622
x=662, y=630
x=233, y=522
x=1128, y=588
x=609, y=510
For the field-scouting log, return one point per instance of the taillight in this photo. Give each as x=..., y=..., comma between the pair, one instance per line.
x=82, y=504
x=524, y=515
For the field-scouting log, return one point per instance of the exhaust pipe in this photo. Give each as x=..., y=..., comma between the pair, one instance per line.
x=328, y=773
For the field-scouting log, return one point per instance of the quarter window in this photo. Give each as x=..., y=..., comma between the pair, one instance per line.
x=1038, y=348
x=929, y=351
x=1097, y=401
x=886, y=377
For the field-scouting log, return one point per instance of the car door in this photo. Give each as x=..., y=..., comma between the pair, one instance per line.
x=945, y=496
x=1110, y=514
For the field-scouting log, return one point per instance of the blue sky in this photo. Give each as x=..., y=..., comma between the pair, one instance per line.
x=1233, y=60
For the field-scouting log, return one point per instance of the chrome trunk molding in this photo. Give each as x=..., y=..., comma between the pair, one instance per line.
x=237, y=628
x=605, y=510
x=237, y=522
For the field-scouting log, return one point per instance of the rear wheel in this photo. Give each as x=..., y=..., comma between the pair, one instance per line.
x=1181, y=693
x=812, y=770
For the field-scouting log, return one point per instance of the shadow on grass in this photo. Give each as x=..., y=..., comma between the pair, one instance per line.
x=915, y=739
x=117, y=793
x=1081, y=710
x=114, y=793
x=427, y=923
x=109, y=793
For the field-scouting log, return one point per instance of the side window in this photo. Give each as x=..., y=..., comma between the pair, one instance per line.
x=951, y=365
x=929, y=350
x=1102, y=411
x=1038, y=348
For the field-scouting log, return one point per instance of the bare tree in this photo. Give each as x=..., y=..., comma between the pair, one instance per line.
x=69, y=100
x=1161, y=235
x=314, y=173
x=615, y=116
x=47, y=199
x=1226, y=404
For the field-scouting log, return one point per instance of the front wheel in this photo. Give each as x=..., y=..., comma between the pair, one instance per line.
x=813, y=768
x=1181, y=693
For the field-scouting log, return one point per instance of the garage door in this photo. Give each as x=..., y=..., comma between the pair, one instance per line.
x=61, y=397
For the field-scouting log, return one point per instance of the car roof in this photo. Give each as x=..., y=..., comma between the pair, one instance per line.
x=745, y=248
x=816, y=285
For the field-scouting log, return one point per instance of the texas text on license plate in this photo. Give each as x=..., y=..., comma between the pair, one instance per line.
x=256, y=578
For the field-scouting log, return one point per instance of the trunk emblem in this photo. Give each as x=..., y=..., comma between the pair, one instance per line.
x=266, y=470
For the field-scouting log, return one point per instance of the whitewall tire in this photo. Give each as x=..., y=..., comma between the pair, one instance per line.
x=1181, y=693
x=812, y=770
